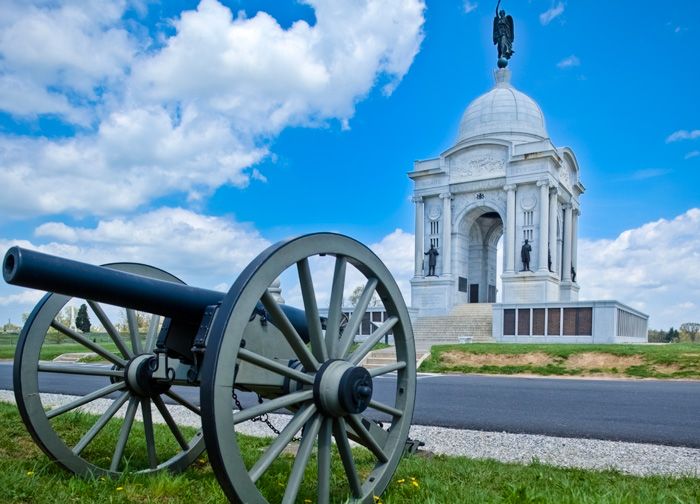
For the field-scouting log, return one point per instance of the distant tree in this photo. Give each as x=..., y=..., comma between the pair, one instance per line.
x=690, y=331
x=657, y=336
x=673, y=335
x=357, y=292
x=82, y=320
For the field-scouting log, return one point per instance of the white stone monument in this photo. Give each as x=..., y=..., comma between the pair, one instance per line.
x=503, y=177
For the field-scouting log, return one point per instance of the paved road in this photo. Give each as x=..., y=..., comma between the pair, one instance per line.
x=659, y=412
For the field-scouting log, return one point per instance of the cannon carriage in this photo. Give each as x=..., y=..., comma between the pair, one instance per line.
x=225, y=344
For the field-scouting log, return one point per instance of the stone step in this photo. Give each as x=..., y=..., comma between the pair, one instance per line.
x=465, y=323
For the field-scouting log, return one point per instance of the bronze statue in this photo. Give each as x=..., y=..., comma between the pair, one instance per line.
x=573, y=274
x=503, y=36
x=525, y=255
x=432, y=254
x=549, y=260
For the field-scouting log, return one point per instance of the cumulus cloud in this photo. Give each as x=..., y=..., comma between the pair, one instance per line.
x=61, y=54
x=683, y=135
x=470, y=6
x=192, y=115
x=654, y=268
x=547, y=16
x=571, y=61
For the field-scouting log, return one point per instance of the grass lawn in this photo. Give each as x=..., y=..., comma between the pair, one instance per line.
x=680, y=361
x=26, y=475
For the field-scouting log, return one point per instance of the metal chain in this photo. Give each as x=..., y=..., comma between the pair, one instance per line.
x=264, y=418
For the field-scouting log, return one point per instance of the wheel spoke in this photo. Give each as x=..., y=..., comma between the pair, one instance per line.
x=324, y=462
x=152, y=334
x=184, y=402
x=272, y=405
x=385, y=408
x=366, y=438
x=78, y=338
x=313, y=319
x=274, y=366
x=386, y=369
x=372, y=340
x=133, y=330
x=85, y=399
x=301, y=460
x=283, y=439
x=99, y=425
x=356, y=318
x=280, y=320
x=124, y=433
x=170, y=422
x=341, y=439
x=335, y=308
x=80, y=369
x=148, y=431
x=111, y=330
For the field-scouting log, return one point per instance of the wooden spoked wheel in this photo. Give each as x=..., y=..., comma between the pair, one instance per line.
x=332, y=401
x=121, y=436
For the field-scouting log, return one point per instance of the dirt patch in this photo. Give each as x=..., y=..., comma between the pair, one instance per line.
x=666, y=368
x=597, y=360
x=478, y=360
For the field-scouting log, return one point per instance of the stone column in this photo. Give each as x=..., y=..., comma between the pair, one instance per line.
x=418, y=200
x=553, y=249
x=509, y=250
x=574, y=238
x=544, y=223
x=447, y=233
x=566, y=266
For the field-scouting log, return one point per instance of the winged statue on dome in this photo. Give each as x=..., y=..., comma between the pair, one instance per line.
x=503, y=36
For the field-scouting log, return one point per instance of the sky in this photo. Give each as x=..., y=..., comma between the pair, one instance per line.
x=191, y=135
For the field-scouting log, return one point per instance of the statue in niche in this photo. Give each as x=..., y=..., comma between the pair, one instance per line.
x=503, y=36
x=525, y=255
x=432, y=254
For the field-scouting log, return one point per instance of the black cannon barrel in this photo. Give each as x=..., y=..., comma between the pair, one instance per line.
x=28, y=268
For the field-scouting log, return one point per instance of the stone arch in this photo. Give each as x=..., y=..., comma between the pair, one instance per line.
x=479, y=227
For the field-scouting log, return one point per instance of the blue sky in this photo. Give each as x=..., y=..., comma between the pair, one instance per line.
x=192, y=135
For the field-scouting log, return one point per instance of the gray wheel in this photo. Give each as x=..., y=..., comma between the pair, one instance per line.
x=105, y=444
x=333, y=397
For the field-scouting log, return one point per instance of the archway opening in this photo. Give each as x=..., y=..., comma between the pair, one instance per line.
x=479, y=265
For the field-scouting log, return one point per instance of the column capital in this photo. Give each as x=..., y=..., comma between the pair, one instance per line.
x=510, y=187
x=446, y=195
x=417, y=199
x=566, y=205
x=545, y=182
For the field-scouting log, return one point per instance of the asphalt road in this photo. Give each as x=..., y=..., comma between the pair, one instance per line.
x=646, y=411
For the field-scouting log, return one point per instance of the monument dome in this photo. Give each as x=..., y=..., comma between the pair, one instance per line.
x=503, y=111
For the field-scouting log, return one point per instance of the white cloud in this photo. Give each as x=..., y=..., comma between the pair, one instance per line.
x=692, y=154
x=547, y=16
x=654, y=268
x=683, y=135
x=470, y=6
x=571, y=61
x=61, y=52
x=191, y=116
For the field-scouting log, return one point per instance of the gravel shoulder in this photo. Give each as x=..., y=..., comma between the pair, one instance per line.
x=630, y=458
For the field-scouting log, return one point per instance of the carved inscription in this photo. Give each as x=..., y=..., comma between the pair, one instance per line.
x=477, y=164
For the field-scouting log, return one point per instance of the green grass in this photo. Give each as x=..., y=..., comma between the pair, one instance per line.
x=677, y=361
x=27, y=476
x=51, y=349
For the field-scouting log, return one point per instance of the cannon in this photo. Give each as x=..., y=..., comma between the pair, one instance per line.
x=303, y=362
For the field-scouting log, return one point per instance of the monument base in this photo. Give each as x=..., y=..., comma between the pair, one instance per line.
x=432, y=295
x=531, y=287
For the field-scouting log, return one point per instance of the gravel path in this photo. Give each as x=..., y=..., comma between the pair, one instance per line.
x=631, y=458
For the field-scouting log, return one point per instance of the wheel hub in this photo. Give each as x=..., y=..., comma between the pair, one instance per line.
x=139, y=377
x=342, y=389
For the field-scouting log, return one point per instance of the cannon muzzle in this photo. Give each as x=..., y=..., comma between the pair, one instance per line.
x=36, y=270
x=28, y=268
